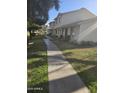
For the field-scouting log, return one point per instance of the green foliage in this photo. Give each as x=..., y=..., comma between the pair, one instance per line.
x=37, y=66
x=32, y=26
x=93, y=87
x=38, y=10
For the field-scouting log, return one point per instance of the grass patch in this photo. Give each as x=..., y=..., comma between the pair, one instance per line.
x=83, y=59
x=37, y=81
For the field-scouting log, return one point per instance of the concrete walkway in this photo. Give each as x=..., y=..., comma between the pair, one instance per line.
x=62, y=77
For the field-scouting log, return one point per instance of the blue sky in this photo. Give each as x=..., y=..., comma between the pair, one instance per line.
x=69, y=5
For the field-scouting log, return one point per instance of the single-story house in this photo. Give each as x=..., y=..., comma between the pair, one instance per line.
x=75, y=26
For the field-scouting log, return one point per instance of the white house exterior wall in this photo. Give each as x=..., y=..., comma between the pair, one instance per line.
x=88, y=31
x=69, y=31
x=72, y=17
x=75, y=33
x=81, y=25
x=92, y=36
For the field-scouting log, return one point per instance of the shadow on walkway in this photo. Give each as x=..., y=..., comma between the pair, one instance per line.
x=64, y=84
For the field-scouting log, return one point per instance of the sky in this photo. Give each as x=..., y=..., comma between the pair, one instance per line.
x=69, y=5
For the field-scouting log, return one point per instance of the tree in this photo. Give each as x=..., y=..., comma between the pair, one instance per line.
x=32, y=27
x=37, y=10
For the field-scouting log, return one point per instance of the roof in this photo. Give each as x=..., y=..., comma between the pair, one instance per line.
x=79, y=22
x=60, y=14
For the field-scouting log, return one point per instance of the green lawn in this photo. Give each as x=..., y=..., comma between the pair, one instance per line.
x=37, y=66
x=84, y=61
